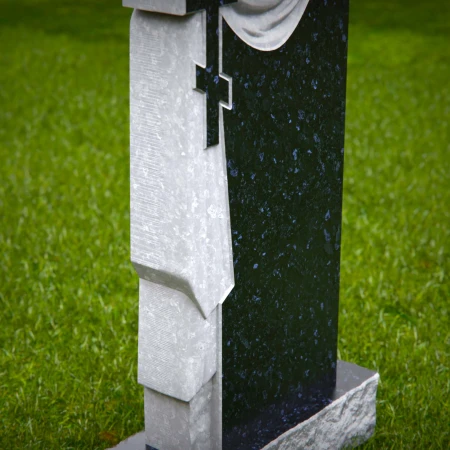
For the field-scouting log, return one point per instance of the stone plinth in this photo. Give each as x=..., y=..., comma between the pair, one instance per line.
x=349, y=420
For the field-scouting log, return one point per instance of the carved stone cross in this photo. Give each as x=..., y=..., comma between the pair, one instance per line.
x=209, y=79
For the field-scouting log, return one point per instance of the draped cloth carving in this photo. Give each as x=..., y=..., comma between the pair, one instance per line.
x=264, y=24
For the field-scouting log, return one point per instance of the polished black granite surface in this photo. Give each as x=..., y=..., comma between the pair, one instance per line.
x=284, y=142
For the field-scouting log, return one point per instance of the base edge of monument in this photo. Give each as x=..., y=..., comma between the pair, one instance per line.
x=348, y=421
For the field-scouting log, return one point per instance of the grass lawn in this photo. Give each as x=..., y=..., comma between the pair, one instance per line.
x=68, y=293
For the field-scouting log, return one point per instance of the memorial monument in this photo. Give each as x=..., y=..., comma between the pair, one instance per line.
x=237, y=113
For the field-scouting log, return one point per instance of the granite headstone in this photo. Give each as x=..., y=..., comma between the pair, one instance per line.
x=285, y=148
x=237, y=114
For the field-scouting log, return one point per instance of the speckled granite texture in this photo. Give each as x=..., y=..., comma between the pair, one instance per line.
x=285, y=149
x=173, y=424
x=177, y=347
x=179, y=208
x=180, y=226
x=346, y=422
x=176, y=7
x=259, y=210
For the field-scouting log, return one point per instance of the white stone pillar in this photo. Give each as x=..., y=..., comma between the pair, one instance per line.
x=180, y=228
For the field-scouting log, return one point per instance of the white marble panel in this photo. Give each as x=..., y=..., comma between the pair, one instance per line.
x=180, y=221
x=176, y=7
x=177, y=352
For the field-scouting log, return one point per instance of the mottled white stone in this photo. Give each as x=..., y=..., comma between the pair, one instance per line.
x=216, y=400
x=181, y=232
x=180, y=220
x=180, y=226
x=346, y=422
x=177, y=346
x=172, y=424
x=263, y=24
x=176, y=7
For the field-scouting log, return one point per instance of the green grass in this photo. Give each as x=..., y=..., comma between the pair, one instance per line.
x=68, y=294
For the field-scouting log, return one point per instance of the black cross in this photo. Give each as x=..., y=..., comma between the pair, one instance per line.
x=208, y=79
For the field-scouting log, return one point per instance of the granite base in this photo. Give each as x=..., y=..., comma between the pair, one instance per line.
x=348, y=421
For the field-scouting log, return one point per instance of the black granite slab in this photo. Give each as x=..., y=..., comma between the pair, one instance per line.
x=209, y=80
x=284, y=142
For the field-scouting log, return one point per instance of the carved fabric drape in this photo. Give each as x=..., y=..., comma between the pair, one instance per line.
x=264, y=24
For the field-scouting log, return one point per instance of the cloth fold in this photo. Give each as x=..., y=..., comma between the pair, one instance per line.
x=264, y=24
